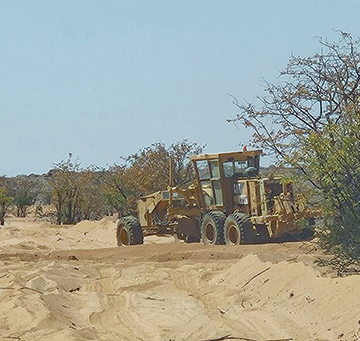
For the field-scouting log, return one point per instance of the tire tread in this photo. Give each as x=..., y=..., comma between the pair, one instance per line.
x=245, y=226
x=133, y=226
x=218, y=218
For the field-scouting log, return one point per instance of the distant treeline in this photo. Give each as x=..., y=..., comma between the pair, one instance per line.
x=76, y=193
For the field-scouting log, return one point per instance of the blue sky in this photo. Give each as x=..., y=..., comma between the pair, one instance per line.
x=103, y=79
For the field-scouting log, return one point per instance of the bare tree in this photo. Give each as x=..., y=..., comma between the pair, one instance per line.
x=314, y=91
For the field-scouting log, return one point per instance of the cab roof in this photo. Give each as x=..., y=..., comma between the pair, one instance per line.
x=227, y=155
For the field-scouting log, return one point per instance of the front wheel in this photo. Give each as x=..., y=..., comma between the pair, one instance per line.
x=212, y=228
x=238, y=229
x=129, y=231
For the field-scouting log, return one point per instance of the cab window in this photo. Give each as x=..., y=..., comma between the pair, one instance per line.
x=203, y=169
x=215, y=171
x=234, y=168
x=228, y=168
x=240, y=166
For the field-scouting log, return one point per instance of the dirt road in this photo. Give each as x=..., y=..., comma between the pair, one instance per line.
x=72, y=283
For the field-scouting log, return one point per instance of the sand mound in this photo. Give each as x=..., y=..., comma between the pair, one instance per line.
x=25, y=233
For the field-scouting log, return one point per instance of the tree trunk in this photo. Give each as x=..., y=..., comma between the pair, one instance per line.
x=2, y=214
x=59, y=215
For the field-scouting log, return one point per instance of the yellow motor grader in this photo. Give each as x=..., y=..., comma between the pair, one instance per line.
x=227, y=203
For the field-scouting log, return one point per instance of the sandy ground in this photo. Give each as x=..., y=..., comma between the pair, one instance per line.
x=73, y=283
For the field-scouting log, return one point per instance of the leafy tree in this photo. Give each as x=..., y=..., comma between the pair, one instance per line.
x=179, y=153
x=93, y=201
x=24, y=190
x=310, y=120
x=5, y=200
x=66, y=187
x=44, y=190
x=78, y=193
x=333, y=157
x=148, y=171
x=117, y=190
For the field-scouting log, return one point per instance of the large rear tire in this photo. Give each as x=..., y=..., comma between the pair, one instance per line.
x=238, y=229
x=129, y=231
x=212, y=228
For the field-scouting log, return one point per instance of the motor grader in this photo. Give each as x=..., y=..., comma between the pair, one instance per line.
x=227, y=203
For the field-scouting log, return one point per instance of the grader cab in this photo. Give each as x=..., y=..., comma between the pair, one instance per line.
x=227, y=203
